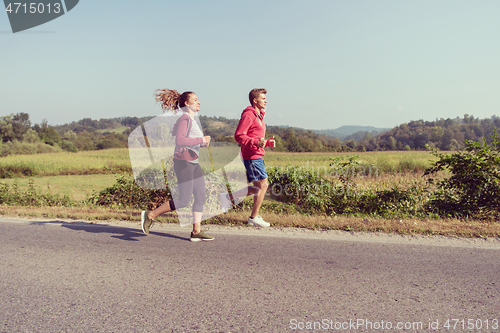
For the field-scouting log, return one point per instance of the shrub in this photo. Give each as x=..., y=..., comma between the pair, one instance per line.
x=67, y=145
x=149, y=195
x=25, y=148
x=126, y=193
x=473, y=189
x=304, y=188
x=294, y=189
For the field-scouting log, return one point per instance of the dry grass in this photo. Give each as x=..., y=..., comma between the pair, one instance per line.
x=217, y=124
x=74, y=213
x=444, y=227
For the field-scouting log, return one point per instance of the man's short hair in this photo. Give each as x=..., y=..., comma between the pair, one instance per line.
x=255, y=93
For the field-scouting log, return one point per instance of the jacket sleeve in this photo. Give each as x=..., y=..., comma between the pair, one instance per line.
x=181, y=137
x=241, y=134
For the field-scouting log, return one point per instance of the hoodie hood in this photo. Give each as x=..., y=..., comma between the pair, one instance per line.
x=261, y=115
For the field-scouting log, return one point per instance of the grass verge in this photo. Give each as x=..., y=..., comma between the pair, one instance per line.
x=429, y=227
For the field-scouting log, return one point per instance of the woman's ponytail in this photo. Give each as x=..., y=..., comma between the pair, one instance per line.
x=171, y=100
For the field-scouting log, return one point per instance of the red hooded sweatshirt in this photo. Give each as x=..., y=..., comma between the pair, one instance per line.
x=250, y=129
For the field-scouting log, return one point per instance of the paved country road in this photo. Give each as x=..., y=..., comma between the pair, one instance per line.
x=58, y=276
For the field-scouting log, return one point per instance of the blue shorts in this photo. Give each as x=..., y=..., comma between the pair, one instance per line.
x=256, y=170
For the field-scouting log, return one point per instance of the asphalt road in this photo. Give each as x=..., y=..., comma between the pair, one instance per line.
x=78, y=277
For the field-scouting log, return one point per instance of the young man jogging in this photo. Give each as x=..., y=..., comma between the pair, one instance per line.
x=250, y=135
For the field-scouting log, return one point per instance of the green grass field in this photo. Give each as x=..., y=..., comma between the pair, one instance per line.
x=118, y=130
x=101, y=161
x=386, y=162
x=77, y=187
x=65, y=163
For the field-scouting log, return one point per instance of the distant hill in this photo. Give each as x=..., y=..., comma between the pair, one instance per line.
x=352, y=132
x=445, y=134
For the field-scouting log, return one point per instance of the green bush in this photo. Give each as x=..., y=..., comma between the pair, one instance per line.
x=126, y=193
x=146, y=192
x=67, y=145
x=26, y=148
x=312, y=194
x=304, y=188
x=473, y=189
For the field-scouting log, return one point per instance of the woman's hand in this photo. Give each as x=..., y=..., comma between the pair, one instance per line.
x=206, y=141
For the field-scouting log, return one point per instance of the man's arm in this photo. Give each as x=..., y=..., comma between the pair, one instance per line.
x=241, y=134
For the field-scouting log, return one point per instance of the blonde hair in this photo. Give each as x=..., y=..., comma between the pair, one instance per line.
x=171, y=100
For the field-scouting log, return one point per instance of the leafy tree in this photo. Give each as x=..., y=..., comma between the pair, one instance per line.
x=293, y=143
x=111, y=141
x=6, y=130
x=13, y=127
x=31, y=136
x=47, y=133
x=21, y=124
x=68, y=146
x=86, y=141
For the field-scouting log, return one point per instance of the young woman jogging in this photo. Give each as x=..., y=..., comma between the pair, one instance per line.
x=188, y=140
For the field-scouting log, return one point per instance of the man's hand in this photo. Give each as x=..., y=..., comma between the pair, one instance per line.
x=262, y=142
x=271, y=142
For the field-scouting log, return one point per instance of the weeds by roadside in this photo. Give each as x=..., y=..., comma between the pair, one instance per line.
x=11, y=195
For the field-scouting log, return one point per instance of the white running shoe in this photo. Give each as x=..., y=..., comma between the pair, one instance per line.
x=258, y=221
x=225, y=202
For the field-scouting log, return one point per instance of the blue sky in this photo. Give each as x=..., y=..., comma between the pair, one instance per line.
x=325, y=63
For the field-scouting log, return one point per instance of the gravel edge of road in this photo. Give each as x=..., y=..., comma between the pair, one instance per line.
x=338, y=235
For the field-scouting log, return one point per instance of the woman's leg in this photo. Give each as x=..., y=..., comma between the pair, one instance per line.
x=197, y=222
x=184, y=173
x=165, y=208
x=200, y=197
x=185, y=182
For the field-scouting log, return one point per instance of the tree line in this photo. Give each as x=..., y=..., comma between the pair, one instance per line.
x=443, y=134
x=19, y=136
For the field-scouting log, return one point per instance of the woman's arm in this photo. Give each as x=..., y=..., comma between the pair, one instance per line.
x=181, y=137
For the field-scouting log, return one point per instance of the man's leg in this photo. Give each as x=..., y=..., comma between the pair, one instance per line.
x=246, y=191
x=262, y=184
